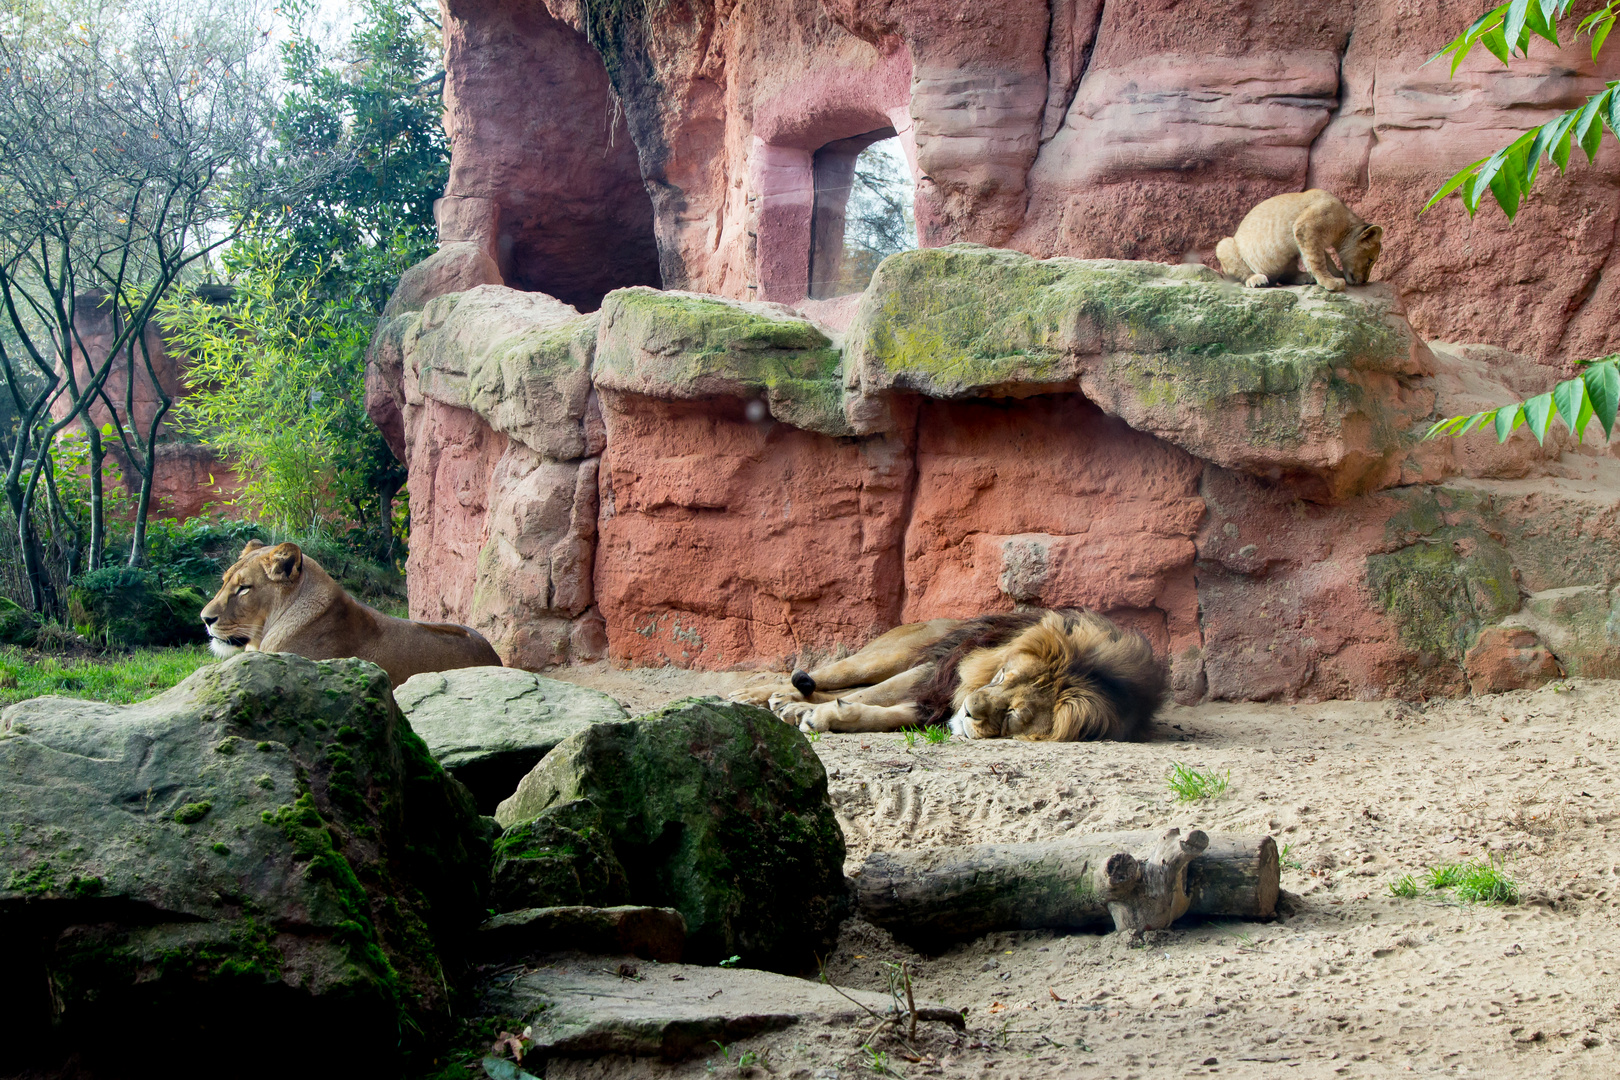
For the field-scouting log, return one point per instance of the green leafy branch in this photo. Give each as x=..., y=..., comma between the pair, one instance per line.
x=1591, y=395
x=1510, y=173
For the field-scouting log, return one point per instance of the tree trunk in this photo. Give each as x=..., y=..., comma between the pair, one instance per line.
x=1148, y=879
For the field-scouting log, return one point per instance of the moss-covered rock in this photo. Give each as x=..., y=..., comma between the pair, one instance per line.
x=678, y=345
x=266, y=840
x=563, y=857
x=1440, y=591
x=1580, y=624
x=1275, y=381
x=520, y=360
x=718, y=810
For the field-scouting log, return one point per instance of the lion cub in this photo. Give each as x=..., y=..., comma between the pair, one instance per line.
x=1304, y=225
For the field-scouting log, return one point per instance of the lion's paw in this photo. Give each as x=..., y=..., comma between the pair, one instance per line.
x=1256, y=281
x=818, y=717
x=1332, y=284
x=796, y=712
x=761, y=695
x=782, y=699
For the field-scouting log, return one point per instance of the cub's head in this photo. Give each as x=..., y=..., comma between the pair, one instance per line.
x=255, y=588
x=1071, y=676
x=1359, y=251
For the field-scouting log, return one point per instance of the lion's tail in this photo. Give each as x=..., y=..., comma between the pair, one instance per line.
x=1114, y=686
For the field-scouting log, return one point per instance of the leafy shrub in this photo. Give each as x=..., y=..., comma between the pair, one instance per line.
x=130, y=606
x=17, y=626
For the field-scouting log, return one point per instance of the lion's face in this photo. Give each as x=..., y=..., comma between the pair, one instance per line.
x=1041, y=684
x=1362, y=252
x=254, y=589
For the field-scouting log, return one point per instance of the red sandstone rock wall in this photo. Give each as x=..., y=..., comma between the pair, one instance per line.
x=1097, y=128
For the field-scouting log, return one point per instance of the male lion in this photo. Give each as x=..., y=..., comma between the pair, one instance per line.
x=1058, y=676
x=278, y=599
x=1285, y=229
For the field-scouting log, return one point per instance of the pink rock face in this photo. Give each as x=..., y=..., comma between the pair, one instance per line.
x=543, y=172
x=1137, y=129
x=768, y=541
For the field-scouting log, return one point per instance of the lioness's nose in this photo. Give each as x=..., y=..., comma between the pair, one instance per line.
x=210, y=620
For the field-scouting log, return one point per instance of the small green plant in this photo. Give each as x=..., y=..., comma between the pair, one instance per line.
x=1444, y=876
x=1405, y=887
x=910, y=735
x=1288, y=859
x=1193, y=785
x=878, y=1061
x=1486, y=883
x=731, y=961
x=937, y=734
x=813, y=736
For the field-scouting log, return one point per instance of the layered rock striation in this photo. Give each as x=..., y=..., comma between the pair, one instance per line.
x=680, y=478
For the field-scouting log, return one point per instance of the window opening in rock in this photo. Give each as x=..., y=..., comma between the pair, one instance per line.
x=863, y=211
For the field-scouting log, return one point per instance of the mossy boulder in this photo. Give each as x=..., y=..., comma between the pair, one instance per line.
x=1298, y=382
x=685, y=346
x=131, y=606
x=1580, y=624
x=489, y=726
x=563, y=857
x=520, y=360
x=266, y=843
x=717, y=810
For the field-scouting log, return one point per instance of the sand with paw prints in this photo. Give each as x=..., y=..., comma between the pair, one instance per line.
x=1352, y=982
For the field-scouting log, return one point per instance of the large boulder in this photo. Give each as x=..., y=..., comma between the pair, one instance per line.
x=717, y=810
x=266, y=844
x=488, y=726
x=1298, y=383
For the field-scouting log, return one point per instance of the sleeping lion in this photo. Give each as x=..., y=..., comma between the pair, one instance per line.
x=1058, y=676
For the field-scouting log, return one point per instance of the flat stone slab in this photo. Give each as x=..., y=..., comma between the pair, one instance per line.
x=584, y=1008
x=488, y=726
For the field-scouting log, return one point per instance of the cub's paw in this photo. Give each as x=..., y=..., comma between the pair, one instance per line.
x=1331, y=284
x=1256, y=281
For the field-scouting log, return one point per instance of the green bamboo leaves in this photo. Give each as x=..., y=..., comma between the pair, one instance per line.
x=1591, y=395
x=1510, y=173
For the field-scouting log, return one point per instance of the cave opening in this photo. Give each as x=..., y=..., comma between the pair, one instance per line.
x=863, y=211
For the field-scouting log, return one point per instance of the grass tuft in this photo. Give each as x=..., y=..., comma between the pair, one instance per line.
x=936, y=735
x=1406, y=887
x=1193, y=785
x=1477, y=882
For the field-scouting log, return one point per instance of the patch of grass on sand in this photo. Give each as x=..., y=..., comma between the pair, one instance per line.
x=1478, y=882
x=1193, y=785
x=120, y=678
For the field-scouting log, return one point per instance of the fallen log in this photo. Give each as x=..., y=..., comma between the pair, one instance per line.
x=1136, y=880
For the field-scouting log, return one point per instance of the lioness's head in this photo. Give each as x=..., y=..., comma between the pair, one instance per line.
x=1071, y=676
x=1359, y=251
x=255, y=587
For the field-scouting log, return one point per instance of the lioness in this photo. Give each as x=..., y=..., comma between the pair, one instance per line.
x=1059, y=676
x=280, y=600
x=1304, y=225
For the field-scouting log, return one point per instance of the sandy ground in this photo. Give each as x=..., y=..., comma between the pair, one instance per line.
x=1352, y=981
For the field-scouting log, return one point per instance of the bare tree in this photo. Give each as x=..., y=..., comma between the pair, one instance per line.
x=134, y=140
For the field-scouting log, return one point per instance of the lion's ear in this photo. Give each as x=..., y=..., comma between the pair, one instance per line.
x=252, y=546
x=1374, y=234
x=284, y=562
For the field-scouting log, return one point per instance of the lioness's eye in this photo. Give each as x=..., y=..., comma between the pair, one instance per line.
x=240, y=589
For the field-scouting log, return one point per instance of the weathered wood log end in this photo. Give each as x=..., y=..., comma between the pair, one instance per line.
x=1150, y=892
x=929, y=896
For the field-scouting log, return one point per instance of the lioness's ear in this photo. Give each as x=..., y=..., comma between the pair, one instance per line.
x=284, y=563
x=252, y=546
x=1374, y=234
